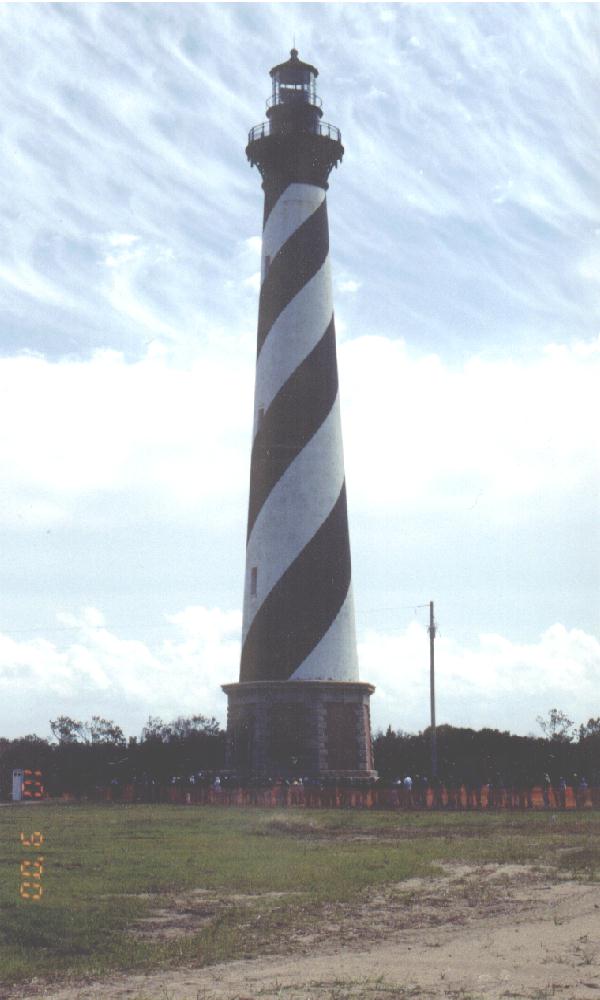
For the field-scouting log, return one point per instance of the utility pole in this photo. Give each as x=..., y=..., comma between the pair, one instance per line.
x=434, y=762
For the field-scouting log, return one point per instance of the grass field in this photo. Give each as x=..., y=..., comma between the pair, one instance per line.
x=143, y=887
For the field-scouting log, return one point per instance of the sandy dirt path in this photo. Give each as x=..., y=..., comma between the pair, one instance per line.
x=474, y=933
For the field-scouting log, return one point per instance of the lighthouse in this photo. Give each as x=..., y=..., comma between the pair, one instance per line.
x=299, y=708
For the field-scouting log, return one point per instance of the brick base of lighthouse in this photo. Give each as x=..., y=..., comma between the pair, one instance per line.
x=299, y=729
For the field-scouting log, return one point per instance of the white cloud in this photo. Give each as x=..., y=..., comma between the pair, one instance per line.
x=116, y=260
x=348, y=286
x=421, y=432
x=94, y=671
x=79, y=428
x=30, y=283
x=253, y=282
x=122, y=239
x=254, y=245
x=589, y=266
x=493, y=682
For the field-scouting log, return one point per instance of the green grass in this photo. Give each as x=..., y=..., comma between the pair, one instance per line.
x=107, y=867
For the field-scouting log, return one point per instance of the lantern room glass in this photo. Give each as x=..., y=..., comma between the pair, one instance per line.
x=294, y=85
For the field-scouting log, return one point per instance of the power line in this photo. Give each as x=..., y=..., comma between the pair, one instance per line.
x=73, y=628
x=404, y=607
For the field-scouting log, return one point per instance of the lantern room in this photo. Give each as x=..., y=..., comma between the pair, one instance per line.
x=294, y=105
x=294, y=82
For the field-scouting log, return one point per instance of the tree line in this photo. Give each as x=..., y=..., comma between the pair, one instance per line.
x=82, y=757
x=475, y=757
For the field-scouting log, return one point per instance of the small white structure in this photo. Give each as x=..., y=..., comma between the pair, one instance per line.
x=17, y=784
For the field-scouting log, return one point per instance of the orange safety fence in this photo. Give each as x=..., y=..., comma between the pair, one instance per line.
x=346, y=797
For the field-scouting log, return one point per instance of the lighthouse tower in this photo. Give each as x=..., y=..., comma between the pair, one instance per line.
x=299, y=707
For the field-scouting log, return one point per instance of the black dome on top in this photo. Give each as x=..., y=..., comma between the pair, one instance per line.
x=293, y=63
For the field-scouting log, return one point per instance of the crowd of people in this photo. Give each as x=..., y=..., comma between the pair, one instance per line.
x=407, y=792
x=422, y=792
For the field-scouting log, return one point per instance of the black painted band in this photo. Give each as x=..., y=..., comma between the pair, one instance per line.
x=273, y=191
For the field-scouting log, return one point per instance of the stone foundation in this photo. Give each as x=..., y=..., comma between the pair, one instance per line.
x=299, y=729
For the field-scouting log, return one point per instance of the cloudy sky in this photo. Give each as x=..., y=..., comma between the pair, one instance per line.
x=465, y=243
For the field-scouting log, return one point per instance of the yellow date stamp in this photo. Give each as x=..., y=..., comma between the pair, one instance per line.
x=32, y=868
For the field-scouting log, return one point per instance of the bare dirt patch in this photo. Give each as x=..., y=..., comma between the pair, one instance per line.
x=474, y=932
x=187, y=913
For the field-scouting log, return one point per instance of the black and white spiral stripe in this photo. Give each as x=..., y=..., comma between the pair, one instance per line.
x=298, y=608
